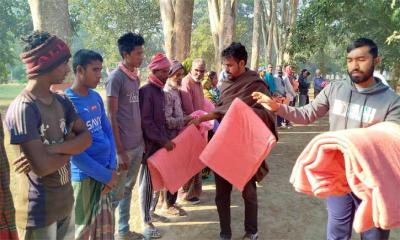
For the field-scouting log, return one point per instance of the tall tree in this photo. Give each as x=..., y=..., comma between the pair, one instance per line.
x=323, y=24
x=102, y=22
x=177, y=17
x=222, y=21
x=255, y=49
x=52, y=16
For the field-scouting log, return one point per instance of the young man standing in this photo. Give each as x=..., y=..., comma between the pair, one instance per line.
x=269, y=79
x=48, y=131
x=356, y=103
x=152, y=107
x=93, y=171
x=192, y=100
x=241, y=82
x=318, y=83
x=122, y=90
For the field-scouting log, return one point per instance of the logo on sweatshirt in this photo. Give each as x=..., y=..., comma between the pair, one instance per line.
x=354, y=111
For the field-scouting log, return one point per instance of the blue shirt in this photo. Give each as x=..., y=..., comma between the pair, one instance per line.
x=99, y=159
x=269, y=80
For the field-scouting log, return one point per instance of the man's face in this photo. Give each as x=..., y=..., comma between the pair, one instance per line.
x=59, y=74
x=233, y=68
x=92, y=74
x=197, y=71
x=279, y=71
x=135, y=57
x=269, y=68
x=177, y=77
x=360, y=64
x=162, y=74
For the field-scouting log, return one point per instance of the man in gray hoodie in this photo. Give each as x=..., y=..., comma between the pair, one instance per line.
x=358, y=103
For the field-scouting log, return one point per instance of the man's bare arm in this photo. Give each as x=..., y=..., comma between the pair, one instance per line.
x=74, y=145
x=41, y=161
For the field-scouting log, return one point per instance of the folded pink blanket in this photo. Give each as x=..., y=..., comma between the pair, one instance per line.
x=173, y=169
x=364, y=161
x=239, y=146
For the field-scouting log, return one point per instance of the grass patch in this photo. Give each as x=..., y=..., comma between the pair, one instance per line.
x=7, y=93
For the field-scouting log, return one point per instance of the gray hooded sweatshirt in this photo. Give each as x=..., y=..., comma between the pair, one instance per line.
x=348, y=107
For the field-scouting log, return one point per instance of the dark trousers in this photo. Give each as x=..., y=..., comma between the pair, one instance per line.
x=341, y=211
x=170, y=198
x=223, y=202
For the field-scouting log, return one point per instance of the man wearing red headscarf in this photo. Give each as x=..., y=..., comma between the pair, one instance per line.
x=48, y=131
x=151, y=100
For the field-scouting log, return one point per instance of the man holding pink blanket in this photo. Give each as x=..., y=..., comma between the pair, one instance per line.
x=241, y=82
x=359, y=103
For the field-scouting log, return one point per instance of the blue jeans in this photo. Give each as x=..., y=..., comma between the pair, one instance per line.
x=302, y=99
x=122, y=193
x=341, y=211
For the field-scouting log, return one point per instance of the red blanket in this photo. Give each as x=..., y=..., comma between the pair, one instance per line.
x=239, y=146
x=365, y=161
x=172, y=169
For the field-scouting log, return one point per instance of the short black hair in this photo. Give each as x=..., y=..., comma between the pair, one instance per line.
x=235, y=50
x=35, y=39
x=128, y=42
x=361, y=42
x=84, y=57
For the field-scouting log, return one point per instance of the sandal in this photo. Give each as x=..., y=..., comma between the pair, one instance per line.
x=182, y=211
x=151, y=233
x=158, y=218
x=173, y=211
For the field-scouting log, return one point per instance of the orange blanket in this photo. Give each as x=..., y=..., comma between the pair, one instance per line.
x=172, y=169
x=239, y=146
x=365, y=161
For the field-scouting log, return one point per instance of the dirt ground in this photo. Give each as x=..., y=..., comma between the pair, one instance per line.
x=283, y=213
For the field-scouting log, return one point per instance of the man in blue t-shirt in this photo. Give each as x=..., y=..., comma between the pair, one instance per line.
x=93, y=171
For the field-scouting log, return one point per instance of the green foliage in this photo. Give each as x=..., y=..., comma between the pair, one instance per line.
x=332, y=24
x=102, y=22
x=15, y=21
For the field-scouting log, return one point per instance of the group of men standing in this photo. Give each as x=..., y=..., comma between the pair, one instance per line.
x=72, y=137
x=80, y=160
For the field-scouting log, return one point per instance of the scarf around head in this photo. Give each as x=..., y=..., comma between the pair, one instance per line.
x=133, y=75
x=45, y=57
x=159, y=61
x=154, y=80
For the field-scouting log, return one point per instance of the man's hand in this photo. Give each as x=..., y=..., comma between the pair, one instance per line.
x=105, y=190
x=123, y=161
x=195, y=121
x=266, y=101
x=113, y=181
x=169, y=146
x=188, y=119
x=22, y=164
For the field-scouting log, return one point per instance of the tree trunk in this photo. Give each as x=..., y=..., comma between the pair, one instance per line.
x=53, y=17
x=213, y=10
x=183, y=28
x=273, y=30
x=177, y=16
x=168, y=20
x=222, y=21
x=265, y=30
x=293, y=17
x=255, y=49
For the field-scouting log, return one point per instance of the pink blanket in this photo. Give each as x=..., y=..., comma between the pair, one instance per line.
x=204, y=127
x=172, y=169
x=208, y=106
x=239, y=146
x=365, y=161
